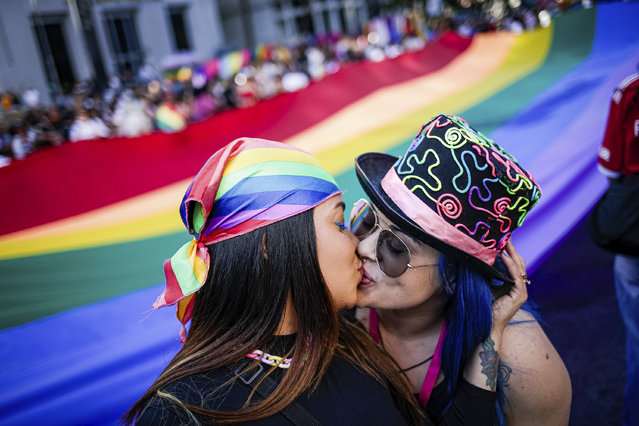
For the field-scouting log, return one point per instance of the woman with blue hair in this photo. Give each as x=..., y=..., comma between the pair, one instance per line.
x=434, y=239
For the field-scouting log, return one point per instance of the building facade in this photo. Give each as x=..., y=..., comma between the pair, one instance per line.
x=48, y=45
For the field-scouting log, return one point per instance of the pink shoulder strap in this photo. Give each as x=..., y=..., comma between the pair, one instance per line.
x=373, y=325
x=433, y=368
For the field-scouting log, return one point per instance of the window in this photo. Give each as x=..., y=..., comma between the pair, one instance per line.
x=178, y=25
x=326, y=16
x=123, y=39
x=53, y=49
x=304, y=24
x=301, y=11
x=344, y=21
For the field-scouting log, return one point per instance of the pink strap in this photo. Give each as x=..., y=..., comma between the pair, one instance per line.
x=433, y=370
x=373, y=324
x=435, y=364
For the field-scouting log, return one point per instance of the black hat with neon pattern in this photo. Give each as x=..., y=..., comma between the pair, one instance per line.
x=455, y=190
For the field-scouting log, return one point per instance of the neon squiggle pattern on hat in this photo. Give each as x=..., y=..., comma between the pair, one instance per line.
x=462, y=188
x=246, y=185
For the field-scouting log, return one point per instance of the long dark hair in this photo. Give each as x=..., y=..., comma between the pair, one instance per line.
x=241, y=305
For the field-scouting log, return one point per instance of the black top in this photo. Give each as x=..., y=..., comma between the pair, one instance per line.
x=346, y=395
x=470, y=406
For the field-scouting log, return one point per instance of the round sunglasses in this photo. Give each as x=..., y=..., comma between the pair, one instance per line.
x=391, y=253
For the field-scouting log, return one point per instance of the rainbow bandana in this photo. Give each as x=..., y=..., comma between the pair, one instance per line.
x=248, y=184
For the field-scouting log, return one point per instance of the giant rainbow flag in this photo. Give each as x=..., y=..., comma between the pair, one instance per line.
x=84, y=228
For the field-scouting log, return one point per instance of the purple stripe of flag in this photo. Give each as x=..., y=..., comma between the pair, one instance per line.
x=274, y=213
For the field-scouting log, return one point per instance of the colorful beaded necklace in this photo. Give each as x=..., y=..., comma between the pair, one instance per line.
x=275, y=360
x=269, y=359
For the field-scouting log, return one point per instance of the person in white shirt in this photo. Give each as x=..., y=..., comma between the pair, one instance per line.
x=84, y=127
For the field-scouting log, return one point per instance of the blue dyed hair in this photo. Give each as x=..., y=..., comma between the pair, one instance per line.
x=469, y=321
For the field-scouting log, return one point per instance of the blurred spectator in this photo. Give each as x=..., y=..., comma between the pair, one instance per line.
x=130, y=116
x=21, y=143
x=9, y=102
x=267, y=77
x=228, y=94
x=31, y=98
x=87, y=127
x=5, y=138
x=204, y=104
x=5, y=144
x=294, y=80
x=315, y=63
x=246, y=90
x=54, y=128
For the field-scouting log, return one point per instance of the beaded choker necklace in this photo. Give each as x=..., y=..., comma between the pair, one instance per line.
x=269, y=359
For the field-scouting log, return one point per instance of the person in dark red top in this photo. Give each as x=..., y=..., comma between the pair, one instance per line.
x=619, y=153
x=619, y=159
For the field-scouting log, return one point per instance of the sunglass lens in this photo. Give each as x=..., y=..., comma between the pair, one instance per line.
x=392, y=254
x=362, y=219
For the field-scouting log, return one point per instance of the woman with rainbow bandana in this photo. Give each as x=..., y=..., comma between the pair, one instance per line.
x=270, y=265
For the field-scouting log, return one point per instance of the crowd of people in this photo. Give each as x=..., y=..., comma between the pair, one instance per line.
x=164, y=100
x=168, y=99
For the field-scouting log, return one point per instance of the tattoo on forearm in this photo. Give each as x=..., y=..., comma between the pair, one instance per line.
x=493, y=369
x=490, y=363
